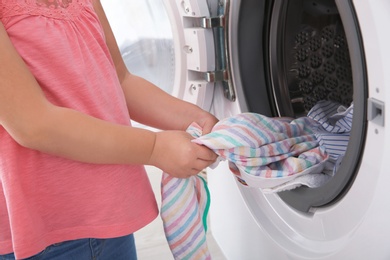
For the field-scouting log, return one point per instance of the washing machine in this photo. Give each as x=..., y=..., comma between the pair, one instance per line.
x=279, y=58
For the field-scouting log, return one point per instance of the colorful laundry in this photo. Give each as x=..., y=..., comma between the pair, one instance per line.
x=184, y=209
x=268, y=153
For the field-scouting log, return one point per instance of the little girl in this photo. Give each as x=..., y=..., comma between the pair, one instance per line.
x=72, y=184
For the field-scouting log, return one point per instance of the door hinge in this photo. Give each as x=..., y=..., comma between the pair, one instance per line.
x=212, y=22
x=214, y=76
x=220, y=26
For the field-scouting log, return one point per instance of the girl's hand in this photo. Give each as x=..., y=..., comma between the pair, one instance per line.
x=175, y=154
x=206, y=121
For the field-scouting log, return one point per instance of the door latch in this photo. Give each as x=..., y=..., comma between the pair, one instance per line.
x=376, y=111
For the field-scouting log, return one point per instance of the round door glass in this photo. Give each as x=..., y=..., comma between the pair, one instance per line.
x=144, y=36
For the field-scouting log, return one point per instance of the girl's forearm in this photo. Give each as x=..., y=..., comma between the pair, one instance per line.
x=73, y=135
x=154, y=107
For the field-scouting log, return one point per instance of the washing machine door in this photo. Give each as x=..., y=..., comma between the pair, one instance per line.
x=170, y=43
x=314, y=50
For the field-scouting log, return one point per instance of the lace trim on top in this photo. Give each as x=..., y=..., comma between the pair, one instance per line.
x=59, y=9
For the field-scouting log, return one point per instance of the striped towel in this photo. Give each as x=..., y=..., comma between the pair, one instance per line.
x=184, y=208
x=332, y=130
x=262, y=152
x=184, y=211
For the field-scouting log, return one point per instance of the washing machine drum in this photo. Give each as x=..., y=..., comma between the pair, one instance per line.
x=308, y=59
x=320, y=67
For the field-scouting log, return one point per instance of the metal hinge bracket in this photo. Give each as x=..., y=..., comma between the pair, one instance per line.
x=219, y=24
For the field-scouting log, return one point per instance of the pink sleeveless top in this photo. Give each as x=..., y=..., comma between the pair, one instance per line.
x=46, y=199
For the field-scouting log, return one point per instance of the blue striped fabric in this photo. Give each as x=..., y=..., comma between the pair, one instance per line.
x=335, y=126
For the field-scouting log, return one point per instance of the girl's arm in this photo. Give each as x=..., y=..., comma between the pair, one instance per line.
x=35, y=123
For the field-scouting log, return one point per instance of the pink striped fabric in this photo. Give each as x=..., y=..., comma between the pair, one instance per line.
x=262, y=151
x=268, y=153
x=184, y=208
x=184, y=213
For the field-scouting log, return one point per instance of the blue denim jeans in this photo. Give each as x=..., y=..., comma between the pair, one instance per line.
x=122, y=248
